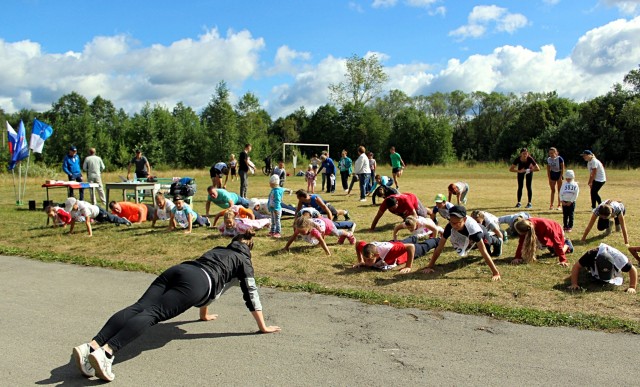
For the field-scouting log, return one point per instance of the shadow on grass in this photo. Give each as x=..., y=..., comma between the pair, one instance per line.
x=587, y=284
x=156, y=337
x=598, y=237
x=299, y=249
x=386, y=227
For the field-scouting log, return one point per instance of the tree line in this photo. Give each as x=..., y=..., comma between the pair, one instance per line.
x=425, y=129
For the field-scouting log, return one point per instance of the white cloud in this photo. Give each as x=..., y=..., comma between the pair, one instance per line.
x=356, y=7
x=187, y=70
x=611, y=48
x=309, y=89
x=409, y=3
x=421, y=3
x=469, y=31
x=483, y=15
x=511, y=22
x=600, y=58
x=486, y=13
x=383, y=3
x=438, y=11
x=285, y=58
x=629, y=7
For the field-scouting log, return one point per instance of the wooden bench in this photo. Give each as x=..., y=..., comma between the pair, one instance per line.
x=162, y=184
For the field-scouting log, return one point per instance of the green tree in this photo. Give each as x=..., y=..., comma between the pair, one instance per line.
x=219, y=123
x=253, y=124
x=632, y=78
x=188, y=149
x=365, y=78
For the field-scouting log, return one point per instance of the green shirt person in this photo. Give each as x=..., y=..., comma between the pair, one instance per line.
x=397, y=165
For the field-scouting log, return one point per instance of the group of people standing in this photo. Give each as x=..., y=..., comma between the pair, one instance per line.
x=525, y=165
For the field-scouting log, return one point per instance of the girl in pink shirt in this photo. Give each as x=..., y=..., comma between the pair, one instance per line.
x=315, y=229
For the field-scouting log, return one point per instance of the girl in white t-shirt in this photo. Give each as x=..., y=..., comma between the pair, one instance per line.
x=420, y=227
x=607, y=214
x=460, y=189
x=555, y=170
x=597, y=176
x=568, y=196
x=490, y=222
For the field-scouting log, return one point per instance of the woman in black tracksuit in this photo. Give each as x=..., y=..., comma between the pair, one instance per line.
x=191, y=283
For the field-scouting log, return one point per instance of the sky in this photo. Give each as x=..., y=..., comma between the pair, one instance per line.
x=287, y=52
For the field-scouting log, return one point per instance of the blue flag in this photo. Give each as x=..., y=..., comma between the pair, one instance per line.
x=17, y=145
x=39, y=134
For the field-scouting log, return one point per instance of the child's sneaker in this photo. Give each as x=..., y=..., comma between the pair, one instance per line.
x=276, y=235
x=346, y=215
x=609, y=228
x=529, y=205
x=341, y=239
x=127, y=222
x=518, y=205
x=351, y=238
x=559, y=208
x=81, y=356
x=353, y=228
x=569, y=229
x=102, y=364
x=568, y=243
x=551, y=207
x=270, y=234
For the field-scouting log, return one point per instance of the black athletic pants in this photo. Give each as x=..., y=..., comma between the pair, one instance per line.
x=172, y=293
x=595, y=196
x=521, y=178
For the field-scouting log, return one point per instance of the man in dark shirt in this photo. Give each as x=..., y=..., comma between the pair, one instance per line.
x=244, y=164
x=143, y=168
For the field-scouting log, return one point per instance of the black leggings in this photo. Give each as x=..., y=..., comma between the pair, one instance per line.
x=521, y=177
x=177, y=289
x=344, y=175
x=595, y=197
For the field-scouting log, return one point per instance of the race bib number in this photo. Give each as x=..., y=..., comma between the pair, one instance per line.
x=460, y=243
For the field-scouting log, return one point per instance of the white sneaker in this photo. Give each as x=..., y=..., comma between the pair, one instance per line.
x=363, y=200
x=102, y=364
x=353, y=228
x=81, y=356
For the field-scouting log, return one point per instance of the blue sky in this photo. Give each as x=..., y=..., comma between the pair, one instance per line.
x=287, y=52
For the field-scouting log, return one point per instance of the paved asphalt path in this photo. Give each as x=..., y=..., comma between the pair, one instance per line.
x=48, y=308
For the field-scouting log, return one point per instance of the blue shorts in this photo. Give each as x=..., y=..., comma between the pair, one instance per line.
x=555, y=176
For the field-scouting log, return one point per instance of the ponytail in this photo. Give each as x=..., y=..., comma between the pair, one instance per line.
x=525, y=227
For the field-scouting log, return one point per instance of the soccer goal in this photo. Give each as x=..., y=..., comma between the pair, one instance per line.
x=294, y=157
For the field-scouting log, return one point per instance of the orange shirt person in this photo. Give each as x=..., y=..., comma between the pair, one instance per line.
x=134, y=212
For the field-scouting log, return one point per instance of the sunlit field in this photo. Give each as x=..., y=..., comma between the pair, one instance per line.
x=460, y=284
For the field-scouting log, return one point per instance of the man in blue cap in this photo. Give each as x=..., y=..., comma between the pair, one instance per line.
x=71, y=166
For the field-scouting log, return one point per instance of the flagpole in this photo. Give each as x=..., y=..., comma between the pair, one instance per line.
x=13, y=173
x=24, y=190
x=19, y=202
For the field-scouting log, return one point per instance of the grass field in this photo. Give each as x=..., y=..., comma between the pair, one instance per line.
x=534, y=294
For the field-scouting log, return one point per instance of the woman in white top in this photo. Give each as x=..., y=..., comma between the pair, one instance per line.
x=163, y=208
x=597, y=176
